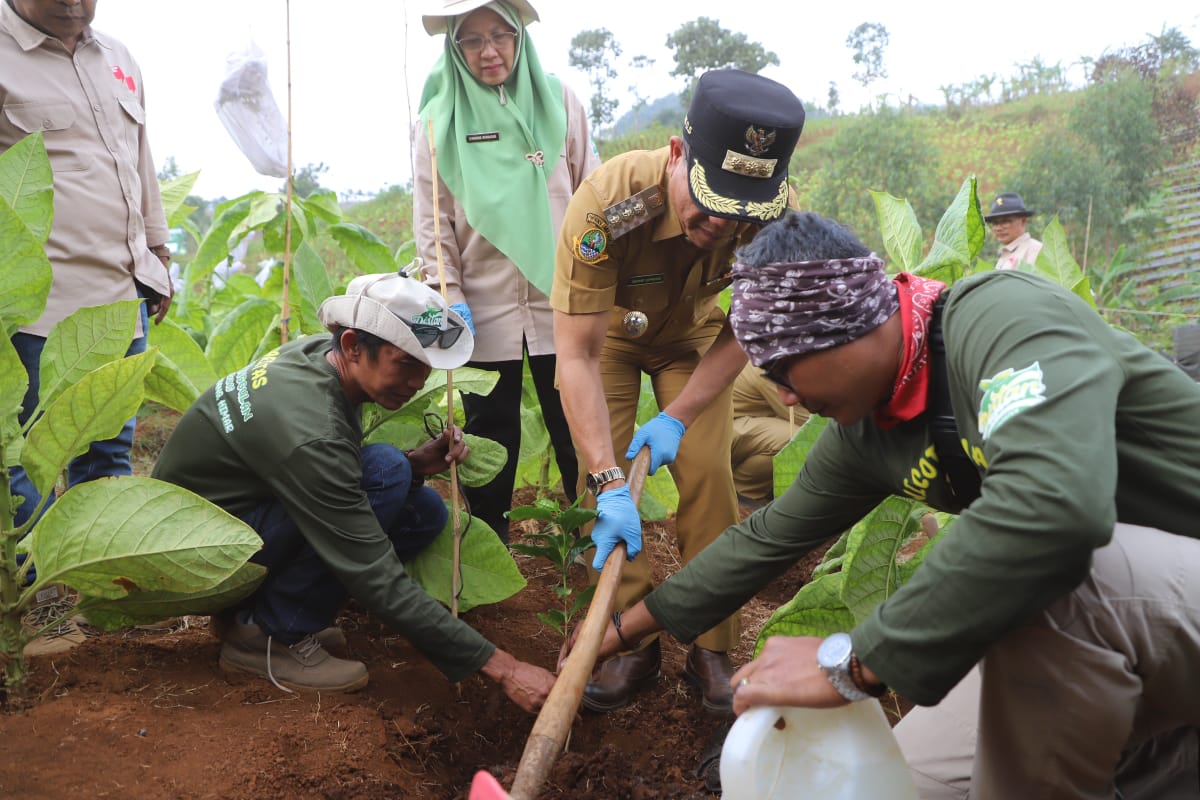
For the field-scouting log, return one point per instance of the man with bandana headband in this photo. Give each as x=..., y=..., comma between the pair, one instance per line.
x=643, y=253
x=1055, y=628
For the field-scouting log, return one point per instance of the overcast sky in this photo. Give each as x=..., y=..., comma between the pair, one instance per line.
x=358, y=65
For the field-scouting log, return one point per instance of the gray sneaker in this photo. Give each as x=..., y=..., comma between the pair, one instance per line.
x=305, y=665
x=332, y=637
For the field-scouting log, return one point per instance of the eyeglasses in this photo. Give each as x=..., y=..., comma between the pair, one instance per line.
x=474, y=44
x=770, y=374
x=427, y=335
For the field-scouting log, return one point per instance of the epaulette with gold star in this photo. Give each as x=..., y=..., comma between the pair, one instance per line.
x=635, y=210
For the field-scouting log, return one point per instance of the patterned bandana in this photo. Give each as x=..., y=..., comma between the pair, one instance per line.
x=786, y=309
x=911, y=393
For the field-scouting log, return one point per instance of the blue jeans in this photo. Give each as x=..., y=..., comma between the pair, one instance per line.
x=300, y=594
x=102, y=460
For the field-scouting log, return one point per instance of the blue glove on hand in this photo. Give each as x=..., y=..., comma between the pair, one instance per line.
x=463, y=311
x=662, y=434
x=618, y=522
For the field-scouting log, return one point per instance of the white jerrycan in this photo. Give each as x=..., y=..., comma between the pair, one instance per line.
x=784, y=752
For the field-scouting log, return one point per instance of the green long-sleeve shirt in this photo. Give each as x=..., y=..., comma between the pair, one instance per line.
x=1074, y=425
x=283, y=429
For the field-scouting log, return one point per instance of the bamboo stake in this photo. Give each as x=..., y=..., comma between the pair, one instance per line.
x=1087, y=234
x=553, y=724
x=437, y=241
x=285, y=310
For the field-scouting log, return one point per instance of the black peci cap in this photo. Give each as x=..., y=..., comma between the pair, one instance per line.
x=1008, y=204
x=740, y=132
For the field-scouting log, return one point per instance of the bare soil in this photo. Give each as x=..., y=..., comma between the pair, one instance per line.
x=148, y=714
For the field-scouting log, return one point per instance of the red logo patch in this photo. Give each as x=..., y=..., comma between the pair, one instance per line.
x=128, y=80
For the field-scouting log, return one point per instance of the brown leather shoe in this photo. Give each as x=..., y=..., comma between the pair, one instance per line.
x=710, y=672
x=619, y=677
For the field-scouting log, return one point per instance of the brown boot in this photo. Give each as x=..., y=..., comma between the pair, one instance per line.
x=619, y=677
x=710, y=672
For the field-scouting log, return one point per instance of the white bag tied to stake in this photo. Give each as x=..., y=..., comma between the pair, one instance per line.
x=249, y=112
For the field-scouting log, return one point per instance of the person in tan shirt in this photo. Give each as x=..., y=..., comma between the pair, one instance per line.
x=512, y=147
x=1008, y=220
x=83, y=92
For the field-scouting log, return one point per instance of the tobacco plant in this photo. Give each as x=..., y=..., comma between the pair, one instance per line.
x=558, y=543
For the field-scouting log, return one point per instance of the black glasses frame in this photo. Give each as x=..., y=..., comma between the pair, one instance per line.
x=475, y=44
x=428, y=335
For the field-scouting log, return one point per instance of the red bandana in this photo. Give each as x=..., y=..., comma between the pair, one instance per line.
x=911, y=394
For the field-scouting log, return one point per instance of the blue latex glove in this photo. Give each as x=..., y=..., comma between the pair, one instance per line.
x=618, y=522
x=463, y=311
x=662, y=434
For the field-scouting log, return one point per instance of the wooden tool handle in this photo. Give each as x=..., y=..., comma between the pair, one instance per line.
x=549, y=733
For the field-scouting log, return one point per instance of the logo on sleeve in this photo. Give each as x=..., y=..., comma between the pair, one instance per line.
x=1008, y=393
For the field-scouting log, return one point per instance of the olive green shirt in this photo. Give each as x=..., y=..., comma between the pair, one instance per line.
x=282, y=429
x=1075, y=426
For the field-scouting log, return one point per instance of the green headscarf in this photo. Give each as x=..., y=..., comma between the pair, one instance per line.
x=500, y=184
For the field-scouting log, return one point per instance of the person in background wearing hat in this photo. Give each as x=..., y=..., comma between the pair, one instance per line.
x=643, y=254
x=1008, y=219
x=278, y=444
x=512, y=146
x=1071, y=574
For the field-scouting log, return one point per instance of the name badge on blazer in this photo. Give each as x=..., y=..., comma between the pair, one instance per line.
x=490, y=136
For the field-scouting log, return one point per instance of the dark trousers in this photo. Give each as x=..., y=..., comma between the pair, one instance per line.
x=497, y=416
x=300, y=594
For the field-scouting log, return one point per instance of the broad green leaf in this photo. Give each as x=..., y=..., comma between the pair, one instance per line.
x=14, y=382
x=871, y=570
x=1056, y=263
x=543, y=508
x=489, y=573
x=117, y=536
x=400, y=433
x=321, y=204
x=140, y=608
x=265, y=207
x=27, y=184
x=170, y=386
x=26, y=270
x=214, y=247
x=576, y=517
x=236, y=337
x=365, y=250
x=177, y=345
x=484, y=463
x=958, y=239
x=787, y=462
x=834, y=557
x=87, y=339
x=535, y=439
x=901, y=231
x=909, y=566
x=174, y=192
x=91, y=410
x=312, y=278
x=660, y=496
x=272, y=340
x=816, y=610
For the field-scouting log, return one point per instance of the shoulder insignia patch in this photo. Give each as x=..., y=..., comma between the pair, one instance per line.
x=596, y=221
x=635, y=210
x=1008, y=393
x=590, y=247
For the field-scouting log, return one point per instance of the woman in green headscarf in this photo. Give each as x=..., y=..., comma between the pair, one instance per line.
x=512, y=147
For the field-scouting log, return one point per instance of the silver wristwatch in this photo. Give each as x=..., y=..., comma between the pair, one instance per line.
x=833, y=656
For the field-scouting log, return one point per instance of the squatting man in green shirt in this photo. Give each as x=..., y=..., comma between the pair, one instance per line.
x=1055, y=627
x=278, y=444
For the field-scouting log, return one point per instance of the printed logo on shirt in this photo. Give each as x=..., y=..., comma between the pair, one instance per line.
x=128, y=80
x=234, y=391
x=1008, y=393
x=589, y=248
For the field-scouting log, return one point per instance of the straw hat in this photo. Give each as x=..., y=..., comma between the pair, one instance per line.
x=435, y=19
x=398, y=309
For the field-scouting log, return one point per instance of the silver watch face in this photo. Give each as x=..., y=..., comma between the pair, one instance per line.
x=835, y=650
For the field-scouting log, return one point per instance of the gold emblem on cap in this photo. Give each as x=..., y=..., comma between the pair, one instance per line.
x=749, y=166
x=635, y=323
x=759, y=140
x=707, y=196
x=772, y=209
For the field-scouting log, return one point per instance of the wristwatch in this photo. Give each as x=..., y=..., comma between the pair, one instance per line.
x=596, y=480
x=834, y=656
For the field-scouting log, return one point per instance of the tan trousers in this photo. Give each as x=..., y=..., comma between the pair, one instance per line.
x=756, y=440
x=707, y=501
x=1098, y=698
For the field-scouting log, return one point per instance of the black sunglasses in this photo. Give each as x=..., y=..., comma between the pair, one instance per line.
x=770, y=374
x=427, y=335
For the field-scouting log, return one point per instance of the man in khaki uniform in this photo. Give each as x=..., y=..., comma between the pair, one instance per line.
x=646, y=247
x=762, y=426
x=83, y=92
x=1008, y=219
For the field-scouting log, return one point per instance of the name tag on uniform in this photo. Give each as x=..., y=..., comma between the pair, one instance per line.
x=490, y=136
x=644, y=280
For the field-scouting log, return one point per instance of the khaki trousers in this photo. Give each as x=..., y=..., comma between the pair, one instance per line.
x=1098, y=698
x=707, y=501
x=756, y=440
